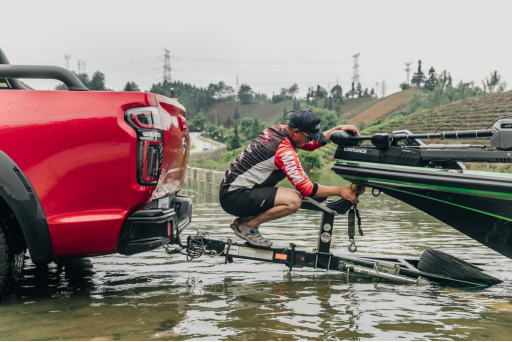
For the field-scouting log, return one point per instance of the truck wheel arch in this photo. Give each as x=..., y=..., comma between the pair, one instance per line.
x=19, y=195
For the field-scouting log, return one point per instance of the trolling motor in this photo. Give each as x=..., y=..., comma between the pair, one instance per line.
x=501, y=136
x=405, y=148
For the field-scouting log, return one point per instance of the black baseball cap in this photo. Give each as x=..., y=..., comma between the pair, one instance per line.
x=307, y=121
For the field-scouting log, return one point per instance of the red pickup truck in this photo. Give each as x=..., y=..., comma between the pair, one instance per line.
x=85, y=173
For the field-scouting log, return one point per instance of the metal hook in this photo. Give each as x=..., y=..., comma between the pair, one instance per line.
x=352, y=247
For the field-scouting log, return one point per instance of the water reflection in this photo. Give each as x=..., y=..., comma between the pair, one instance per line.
x=156, y=296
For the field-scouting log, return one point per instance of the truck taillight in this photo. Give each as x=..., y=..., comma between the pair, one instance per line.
x=146, y=122
x=182, y=123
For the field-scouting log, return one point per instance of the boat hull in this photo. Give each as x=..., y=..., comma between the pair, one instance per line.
x=478, y=204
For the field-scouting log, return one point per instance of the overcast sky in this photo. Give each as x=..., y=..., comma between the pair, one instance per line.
x=269, y=44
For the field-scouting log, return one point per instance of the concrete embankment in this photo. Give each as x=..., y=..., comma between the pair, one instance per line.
x=207, y=181
x=203, y=180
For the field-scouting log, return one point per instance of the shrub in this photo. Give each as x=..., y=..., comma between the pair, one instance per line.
x=311, y=160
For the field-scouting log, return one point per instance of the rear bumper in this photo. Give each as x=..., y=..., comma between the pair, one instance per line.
x=148, y=229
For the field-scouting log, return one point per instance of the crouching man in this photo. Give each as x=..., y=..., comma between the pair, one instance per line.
x=248, y=190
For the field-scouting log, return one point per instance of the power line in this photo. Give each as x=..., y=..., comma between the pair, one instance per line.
x=133, y=64
x=142, y=72
x=222, y=60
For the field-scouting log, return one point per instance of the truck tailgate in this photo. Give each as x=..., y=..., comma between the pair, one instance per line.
x=176, y=143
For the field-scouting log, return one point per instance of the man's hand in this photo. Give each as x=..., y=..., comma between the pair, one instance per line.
x=351, y=128
x=349, y=195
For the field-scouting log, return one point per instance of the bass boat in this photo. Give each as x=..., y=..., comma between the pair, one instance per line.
x=433, y=178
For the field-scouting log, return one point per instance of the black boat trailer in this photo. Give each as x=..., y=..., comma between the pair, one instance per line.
x=395, y=269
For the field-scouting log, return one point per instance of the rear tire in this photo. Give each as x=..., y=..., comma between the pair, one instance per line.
x=12, y=251
x=437, y=262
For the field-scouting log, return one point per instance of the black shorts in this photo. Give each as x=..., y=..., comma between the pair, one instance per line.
x=248, y=202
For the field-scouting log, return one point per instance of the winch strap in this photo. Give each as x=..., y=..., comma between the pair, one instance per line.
x=351, y=224
x=358, y=220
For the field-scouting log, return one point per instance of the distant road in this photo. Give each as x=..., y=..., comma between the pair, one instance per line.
x=198, y=143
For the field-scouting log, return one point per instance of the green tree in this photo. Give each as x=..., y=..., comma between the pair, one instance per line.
x=430, y=83
x=62, y=86
x=234, y=142
x=284, y=94
x=416, y=102
x=419, y=77
x=221, y=91
x=403, y=86
x=236, y=115
x=131, y=86
x=494, y=83
x=256, y=128
x=353, y=90
x=359, y=90
x=293, y=90
x=328, y=118
x=216, y=133
x=245, y=94
x=311, y=160
x=320, y=92
x=198, y=123
x=372, y=94
x=229, y=122
x=97, y=81
x=296, y=105
x=85, y=79
x=337, y=92
x=246, y=127
x=365, y=92
x=193, y=98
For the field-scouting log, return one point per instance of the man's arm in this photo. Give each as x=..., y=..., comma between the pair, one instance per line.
x=345, y=193
x=313, y=145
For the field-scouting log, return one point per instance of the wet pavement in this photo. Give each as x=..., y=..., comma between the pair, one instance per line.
x=161, y=297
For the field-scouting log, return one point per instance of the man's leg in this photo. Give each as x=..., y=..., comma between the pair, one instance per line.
x=287, y=202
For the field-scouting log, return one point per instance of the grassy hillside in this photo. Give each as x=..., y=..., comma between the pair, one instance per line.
x=385, y=107
x=474, y=113
x=266, y=112
x=352, y=107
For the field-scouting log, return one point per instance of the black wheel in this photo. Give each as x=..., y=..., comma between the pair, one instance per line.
x=437, y=262
x=12, y=252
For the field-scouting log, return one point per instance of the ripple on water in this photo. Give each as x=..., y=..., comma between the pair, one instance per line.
x=156, y=296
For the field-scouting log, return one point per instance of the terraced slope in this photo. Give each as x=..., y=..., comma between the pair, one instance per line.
x=385, y=107
x=474, y=113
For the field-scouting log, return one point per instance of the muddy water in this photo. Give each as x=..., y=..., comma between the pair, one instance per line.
x=161, y=297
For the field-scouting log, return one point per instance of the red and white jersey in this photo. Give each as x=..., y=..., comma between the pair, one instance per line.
x=269, y=158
